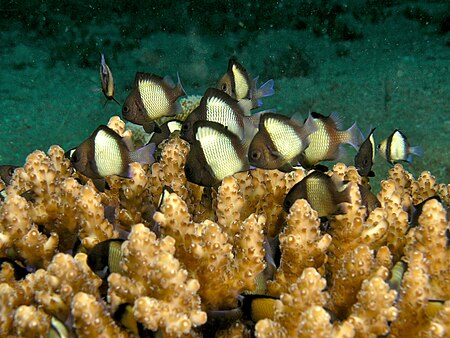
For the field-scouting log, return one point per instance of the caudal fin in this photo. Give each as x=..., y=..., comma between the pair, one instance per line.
x=416, y=150
x=355, y=136
x=144, y=154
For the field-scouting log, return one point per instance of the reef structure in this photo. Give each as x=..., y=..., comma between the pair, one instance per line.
x=201, y=248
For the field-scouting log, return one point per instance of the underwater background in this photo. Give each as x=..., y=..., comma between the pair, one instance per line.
x=383, y=64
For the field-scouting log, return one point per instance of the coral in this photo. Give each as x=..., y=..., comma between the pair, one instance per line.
x=303, y=301
x=225, y=261
x=430, y=238
x=413, y=298
x=302, y=246
x=371, y=315
x=153, y=281
x=92, y=320
x=31, y=321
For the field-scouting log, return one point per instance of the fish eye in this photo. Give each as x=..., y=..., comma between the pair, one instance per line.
x=255, y=155
x=287, y=204
x=224, y=87
x=125, y=109
x=185, y=127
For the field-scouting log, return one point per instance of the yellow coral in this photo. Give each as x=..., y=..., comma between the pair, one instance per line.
x=163, y=296
x=302, y=246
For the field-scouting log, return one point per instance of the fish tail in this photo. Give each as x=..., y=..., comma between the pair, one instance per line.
x=355, y=136
x=144, y=154
x=266, y=89
x=416, y=150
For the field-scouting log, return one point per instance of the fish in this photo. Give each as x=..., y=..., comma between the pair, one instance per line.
x=125, y=317
x=257, y=307
x=105, y=153
x=217, y=106
x=251, y=307
x=7, y=172
x=151, y=98
x=107, y=80
x=396, y=148
x=104, y=258
x=279, y=142
x=166, y=129
x=397, y=272
x=326, y=142
x=416, y=211
x=433, y=307
x=365, y=156
x=215, y=153
x=368, y=198
x=57, y=329
x=325, y=194
x=236, y=82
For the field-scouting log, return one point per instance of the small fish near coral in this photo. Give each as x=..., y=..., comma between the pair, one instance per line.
x=151, y=98
x=236, y=82
x=396, y=148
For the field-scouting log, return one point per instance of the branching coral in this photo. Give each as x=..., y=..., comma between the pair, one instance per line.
x=153, y=281
x=225, y=262
x=302, y=246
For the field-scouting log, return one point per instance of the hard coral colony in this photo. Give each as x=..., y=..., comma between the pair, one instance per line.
x=202, y=260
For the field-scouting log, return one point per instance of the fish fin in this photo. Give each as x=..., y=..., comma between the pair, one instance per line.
x=150, y=126
x=177, y=90
x=99, y=183
x=336, y=118
x=114, y=99
x=298, y=117
x=416, y=150
x=144, y=154
x=180, y=87
x=309, y=124
x=340, y=153
x=177, y=109
x=168, y=81
x=355, y=136
x=286, y=168
x=264, y=91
